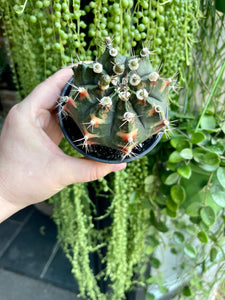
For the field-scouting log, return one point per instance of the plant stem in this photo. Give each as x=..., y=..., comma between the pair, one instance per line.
x=211, y=95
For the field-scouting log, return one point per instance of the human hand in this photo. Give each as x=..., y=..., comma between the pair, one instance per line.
x=32, y=166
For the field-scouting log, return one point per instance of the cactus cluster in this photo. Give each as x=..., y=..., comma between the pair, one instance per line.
x=118, y=101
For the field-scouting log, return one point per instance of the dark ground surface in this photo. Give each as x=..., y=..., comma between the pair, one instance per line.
x=31, y=260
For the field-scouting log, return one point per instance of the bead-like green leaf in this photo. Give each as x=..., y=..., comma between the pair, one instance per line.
x=221, y=176
x=172, y=178
x=177, y=193
x=207, y=215
x=190, y=251
x=202, y=236
x=185, y=171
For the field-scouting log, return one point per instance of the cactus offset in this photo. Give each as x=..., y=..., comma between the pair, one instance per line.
x=118, y=101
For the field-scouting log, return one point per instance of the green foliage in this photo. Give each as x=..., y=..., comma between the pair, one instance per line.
x=220, y=5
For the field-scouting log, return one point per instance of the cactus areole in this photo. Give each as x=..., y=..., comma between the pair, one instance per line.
x=115, y=109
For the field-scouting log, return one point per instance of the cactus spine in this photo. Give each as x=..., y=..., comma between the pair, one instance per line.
x=118, y=101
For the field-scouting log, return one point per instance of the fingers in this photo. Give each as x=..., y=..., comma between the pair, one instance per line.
x=84, y=170
x=45, y=95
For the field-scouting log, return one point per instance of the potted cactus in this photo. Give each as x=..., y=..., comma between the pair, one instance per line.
x=118, y=106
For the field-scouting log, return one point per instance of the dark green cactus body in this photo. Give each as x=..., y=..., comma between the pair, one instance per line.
x=118, y=101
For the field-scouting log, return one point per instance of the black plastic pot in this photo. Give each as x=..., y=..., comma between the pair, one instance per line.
x=97, y=152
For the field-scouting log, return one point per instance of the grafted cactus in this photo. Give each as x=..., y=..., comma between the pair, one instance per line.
x=118, y=101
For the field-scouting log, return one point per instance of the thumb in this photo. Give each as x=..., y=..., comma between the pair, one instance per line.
x=84, y=169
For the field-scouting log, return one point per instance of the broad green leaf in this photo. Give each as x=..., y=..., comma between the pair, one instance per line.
x=223, y=124
x=153, y=241
x=172, y=178
x=173, y=251
x=208, y=215
x=195, y=220
x=146, y=203
x=213, y=254
x=207, y=160
x=133, y=197
x=178, y=237
x=183, y=144
x=211, y=159
x=160, y=199
x=197, y=137
x=208, y=123
x=158, y=224
x=221, y=241
x=202, y=236
x=163, y=289
x=180, y=143
x=203, y=226
x=149, y=180
x=218, y=148
x=176, y=141
x=193, y=210
x=190, y=251
x=221, y=176
x=185, y=171
x=154, y=262
x=198, y=154
x=171, y=166
x=149, y=250
x=161, y=226
x=186, y=153
x=175, y=157
x=177, y=193
x=170, y=213
x=218, y=195
x=173, y=206
x=191, y=229
x=220, y=5
x=150, y=297
x=186, y=291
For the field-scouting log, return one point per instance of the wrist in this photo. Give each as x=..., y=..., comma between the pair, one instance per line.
x=7, y=207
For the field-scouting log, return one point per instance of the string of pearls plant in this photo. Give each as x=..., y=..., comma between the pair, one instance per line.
x=46, y=35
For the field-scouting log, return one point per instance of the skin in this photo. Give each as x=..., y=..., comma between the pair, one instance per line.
x=32, y=166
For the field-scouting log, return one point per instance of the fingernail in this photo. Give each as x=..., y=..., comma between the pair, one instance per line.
x=119, y=167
